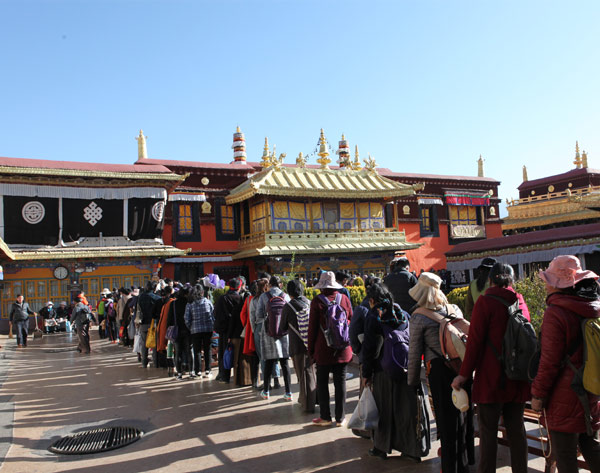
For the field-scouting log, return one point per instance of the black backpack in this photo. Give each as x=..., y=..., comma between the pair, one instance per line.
x=519, y=344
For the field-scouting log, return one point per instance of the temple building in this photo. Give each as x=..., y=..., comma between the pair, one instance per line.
x=554, y=215
x=244, y=217
x=67, y=227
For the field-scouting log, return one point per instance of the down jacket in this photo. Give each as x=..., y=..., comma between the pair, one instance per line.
x=560, y=329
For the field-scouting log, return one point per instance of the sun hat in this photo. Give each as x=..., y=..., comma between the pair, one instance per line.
x=105, y=291
x=426, y=292
x=49, y=303
x=327, y=281
x=488, y=263
x=565, y=271
x=460, y=399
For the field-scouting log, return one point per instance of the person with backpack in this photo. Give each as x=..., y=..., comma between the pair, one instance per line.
x=455, y=428
x=572, y=419
x=494, y=393
x=385, y=359
x=329, y=345
x=295, y=315
x=274, y=341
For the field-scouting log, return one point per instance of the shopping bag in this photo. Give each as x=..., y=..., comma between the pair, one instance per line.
x=366, y=415
x=228, y=357
x=131, y=329
x=137, y=344
x=151, y=336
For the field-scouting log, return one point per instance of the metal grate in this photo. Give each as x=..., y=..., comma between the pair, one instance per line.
x=96, y=440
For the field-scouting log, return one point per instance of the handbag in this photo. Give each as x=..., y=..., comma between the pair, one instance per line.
x=366, y=415
x=121, y=331
x=137, y=344
x=151, y=336
x=228, y=357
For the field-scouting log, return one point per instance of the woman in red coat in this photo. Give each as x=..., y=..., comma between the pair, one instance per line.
x=494, y=394
x=573, y=295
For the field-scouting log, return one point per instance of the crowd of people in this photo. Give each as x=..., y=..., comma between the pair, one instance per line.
x=254, y=329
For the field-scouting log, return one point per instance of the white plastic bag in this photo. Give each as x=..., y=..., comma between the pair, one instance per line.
x=366, y=415
x=137, y=344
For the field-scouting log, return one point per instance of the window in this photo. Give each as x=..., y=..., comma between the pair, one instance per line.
x=185, y=222
x=226, y=217
x=429, y=221
x=227, y=221
x=464, y=215
x=187, y=227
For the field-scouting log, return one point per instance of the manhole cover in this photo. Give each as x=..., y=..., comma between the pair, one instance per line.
x=96, y=440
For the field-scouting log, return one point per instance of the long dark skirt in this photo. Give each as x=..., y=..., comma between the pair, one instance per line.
x=307, y=381
x=403, y=420
x=241, y=364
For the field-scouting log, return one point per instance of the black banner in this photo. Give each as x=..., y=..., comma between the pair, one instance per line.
x=146, y=218
x=30, y=220
x=89, y=218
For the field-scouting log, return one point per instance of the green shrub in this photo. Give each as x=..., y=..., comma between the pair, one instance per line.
x=311, y=292
x=533, y=291
x=216, y=293
x=358, y=281
x=357, y=294
x=458, y=296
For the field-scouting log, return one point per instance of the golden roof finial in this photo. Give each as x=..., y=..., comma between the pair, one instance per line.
x=238, y=130
x=323, y=153
x=266, y=158
x=301, y=160
x=480, y=167
x=577, y=161
x=356, y=164
x=525, y=179
x=142, y=151
x=584, y=161
x=370, y=163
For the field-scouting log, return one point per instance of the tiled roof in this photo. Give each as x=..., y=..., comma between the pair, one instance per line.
x=323, y=183
x=524, y=239
x=565, y=176
x=73, y=165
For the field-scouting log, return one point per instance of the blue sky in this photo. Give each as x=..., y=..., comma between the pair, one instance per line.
x=423, y=86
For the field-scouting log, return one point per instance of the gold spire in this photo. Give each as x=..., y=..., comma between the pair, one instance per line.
x=238, y=130
x=323, y=153
x=525, y=179
x=577, y=161
x=356, y=164
x=141, y=139
x=480, y=167
x=266, y=158
x=584, y=161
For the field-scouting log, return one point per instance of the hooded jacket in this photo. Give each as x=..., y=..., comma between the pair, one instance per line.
x=560, y=329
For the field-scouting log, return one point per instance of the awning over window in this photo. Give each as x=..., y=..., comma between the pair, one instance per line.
x=430, y=201
x=467, y=198
x=187, y=197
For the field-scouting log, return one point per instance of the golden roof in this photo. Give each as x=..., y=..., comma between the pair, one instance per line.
x=322, y=183
x=60, y=254
x=274, y=244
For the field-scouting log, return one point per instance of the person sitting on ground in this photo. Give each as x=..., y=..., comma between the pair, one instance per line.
x=48, y=314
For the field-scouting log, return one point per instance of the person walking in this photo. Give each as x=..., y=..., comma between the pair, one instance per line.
x=572, y=421
x=328, y=360
x=494, y=393
x=81, y=318
x=199, y=319
x=455, y=429
x=295, y=316
x=19, y=319
x=273, y=349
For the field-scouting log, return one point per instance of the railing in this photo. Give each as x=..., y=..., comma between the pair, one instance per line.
x=554, y=195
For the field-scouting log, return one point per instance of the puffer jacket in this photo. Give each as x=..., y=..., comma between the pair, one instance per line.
x=488, y=324
x=560, y=329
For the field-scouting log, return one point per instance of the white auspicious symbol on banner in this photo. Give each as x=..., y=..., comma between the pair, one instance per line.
x=92, y=213
x=158, y=210
x=33, y=212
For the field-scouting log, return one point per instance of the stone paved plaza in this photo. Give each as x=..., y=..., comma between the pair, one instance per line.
x=49, y=390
